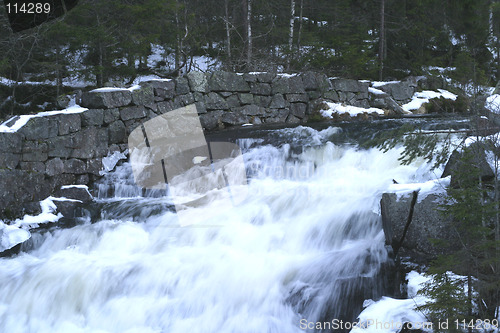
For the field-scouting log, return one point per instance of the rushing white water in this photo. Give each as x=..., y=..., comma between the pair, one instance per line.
x=307, y=243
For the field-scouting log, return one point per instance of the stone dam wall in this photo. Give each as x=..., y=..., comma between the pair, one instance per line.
x=65, y=148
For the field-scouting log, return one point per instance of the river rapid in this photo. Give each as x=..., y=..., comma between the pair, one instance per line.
x=306, y=244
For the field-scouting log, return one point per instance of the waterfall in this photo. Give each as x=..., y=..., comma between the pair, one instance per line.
x=307, y=243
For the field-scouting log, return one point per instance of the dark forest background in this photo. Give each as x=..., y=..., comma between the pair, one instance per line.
x=101, y=41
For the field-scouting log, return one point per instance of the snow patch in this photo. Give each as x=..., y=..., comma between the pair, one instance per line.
x=46, y=216
x=375, y=91
x=20, y=121
x=145, y=78
x=85, y=187
x=351, y=110
x=11, y=235
x=18, y=232
x=377, y=84
x=391, y=314
x=435, y=186
x=422, y=97
x=493, y=103
x=286, y=75
x=441, y=69
x=108, y=89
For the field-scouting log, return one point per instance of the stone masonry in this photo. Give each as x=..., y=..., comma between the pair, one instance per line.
x=62, y=149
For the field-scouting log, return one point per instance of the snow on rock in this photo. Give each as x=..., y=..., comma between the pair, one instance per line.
x=15, y=123
x=46, y=216
x=146, y=78
x=416, y=281
x=382, y=83
x=388, y=314
x=435, y=186
x=351, y=110
x=286, y=75
x=376, y=91
x=422, y=97
x=441, y=69
x=11, y=235
x=66, y=187
x=18, y=232
x=108, y=89
x=493, y=103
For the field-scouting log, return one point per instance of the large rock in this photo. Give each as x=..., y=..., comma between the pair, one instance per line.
x=40, y=128
x=35, y=151
x=277, y=116
x=298, y=110
x=143, y=96
x=315, y=81
x=181, y=86
x=277, y=102
x=19, y=187
x=11, y=142
x=263, y=101
x=234, y=118
x=214, y=101
x=211, y=120
x=183, y=100
x=88, y=143
x=92, y=117
x=116, y=132
x=164, y=107
x=428, y=222
x=75, y=166
x=106, y=98
x=111, y=115
x=348, y=85
x=54, y=167
x=75, y=198
x=75, y=192
x=259, y=77
x=69, y=123
x=133, y=112
x=245, y=98
x=387, y=103
x=251, y=110
x=163, y=89
x=400, y=91
x=260, y=88
x=468, y=165
x=198, y=82
x=288, y=85
x=9, y=160
x=226, y=81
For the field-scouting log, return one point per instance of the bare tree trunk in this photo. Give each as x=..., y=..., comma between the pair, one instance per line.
x=228, y=32
x=469, y=298
x=58, y=74
x=381, y=50
x=299, y=34
x=177, y=42
x=100, y=72
x=290, y=33
x=249, y=33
